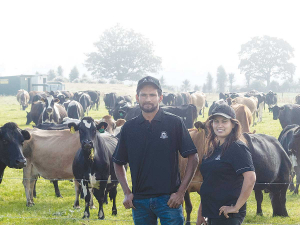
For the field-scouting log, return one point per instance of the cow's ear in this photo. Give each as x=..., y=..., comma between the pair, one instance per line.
x=73, y=127
x=56, y=100
x=199, y=125
x=42, y=100
x=101, y=127
x=26, y=134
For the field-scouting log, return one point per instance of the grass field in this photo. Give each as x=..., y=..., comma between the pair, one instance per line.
x=49, y=209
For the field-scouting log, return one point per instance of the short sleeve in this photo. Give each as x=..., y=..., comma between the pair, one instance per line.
x=120, y=155
x=241, y=159
x=186, y=144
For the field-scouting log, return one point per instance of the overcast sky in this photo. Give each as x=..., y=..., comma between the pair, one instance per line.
x=192, y=37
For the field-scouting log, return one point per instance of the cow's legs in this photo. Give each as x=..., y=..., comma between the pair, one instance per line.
x=188, y=207
x=99, y=193
x=278, y=200
x=113, y=196
x=259, y=198
x=297, y=170
x=57, y=192
x=29, y=180
x=77, y=193
x=292, y=186
x=87, y=197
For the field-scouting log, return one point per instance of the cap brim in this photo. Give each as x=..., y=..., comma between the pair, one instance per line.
x=220, y=114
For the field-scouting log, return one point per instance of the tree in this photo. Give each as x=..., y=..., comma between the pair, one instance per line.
x=231, y=80
x=197, y=87
x=221, y=79
x=266, y=57
x=74, y=74
x=123, y=55
x=274, y=86
x=209, y=83
x=204, y=88
x=60, y=71
x=51, y=75
x=186, y=86
x=258, y=85
x=162, y=81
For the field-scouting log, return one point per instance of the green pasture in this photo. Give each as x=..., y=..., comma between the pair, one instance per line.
x=49, y=209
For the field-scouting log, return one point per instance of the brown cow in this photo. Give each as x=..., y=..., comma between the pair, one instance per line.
x=243, y=115
x=250, y=102
x=198, y=99
x=198, y=137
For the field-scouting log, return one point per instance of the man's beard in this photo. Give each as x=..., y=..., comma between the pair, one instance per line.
x=149, y=110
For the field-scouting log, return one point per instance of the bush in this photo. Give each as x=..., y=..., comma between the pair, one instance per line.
x=101, y=81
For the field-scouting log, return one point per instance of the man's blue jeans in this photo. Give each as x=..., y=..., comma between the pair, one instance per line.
x=148, y=210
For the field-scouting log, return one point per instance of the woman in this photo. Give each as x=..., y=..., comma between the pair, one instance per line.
x=227, y=170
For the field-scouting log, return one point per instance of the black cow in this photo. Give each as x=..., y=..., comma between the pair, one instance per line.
x=187, y=112
x=75, y=110
x=290, y=140
x=92, y=165
x=68, y=94
x=37, y=109
x=95, y=98
x=179, y=100
x=272, y=168
x=287, y=114
x=53, y=112
x=85, y=101
x=110, y=100
x=121, y=110
x=77, y=95
x=126, y=98
x=271, y=99
x=11, y=150
x=168, y=98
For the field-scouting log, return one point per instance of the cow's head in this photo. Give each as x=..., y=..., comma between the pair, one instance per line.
x=88, y=132
x=201, y=126
x=11, y=141
x=29, y=118
x=276, y=111
x=49, y=104
x=62, y=98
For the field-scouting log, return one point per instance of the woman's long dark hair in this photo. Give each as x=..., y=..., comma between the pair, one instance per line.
x=212, y=140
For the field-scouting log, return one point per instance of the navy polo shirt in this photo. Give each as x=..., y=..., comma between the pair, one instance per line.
x=223, y=179
x=151, y=149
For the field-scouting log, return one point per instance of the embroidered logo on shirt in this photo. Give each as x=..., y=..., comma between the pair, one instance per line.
x=218, y=157
x=164, y=135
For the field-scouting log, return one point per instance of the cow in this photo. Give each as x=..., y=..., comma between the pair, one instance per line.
x=49, y=154
x=250, y=102
x=77, y=95
x=198, y=99
x=272, y=167
x=92, y=165
x=68, y=94
x=75, y=110
x=32, y=95
x=168, y=98
x=23, y=98
x=287, y=114
x=126, y=98
x=85, y=101
x=121, y=110
x=11, y=150
x=297, y=99
x=179, y=100
x=95, y=98
x=271, y=99
x=53, y=112
x=243, y=115
x=261, y=98
x=110, y=100
x=36, y=110
x=289, y=139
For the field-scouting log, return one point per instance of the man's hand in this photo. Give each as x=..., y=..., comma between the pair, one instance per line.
x=227, y=209
x=128, y=201
x=176, y=199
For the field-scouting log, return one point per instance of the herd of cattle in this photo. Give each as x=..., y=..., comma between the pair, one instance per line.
x=66, y=144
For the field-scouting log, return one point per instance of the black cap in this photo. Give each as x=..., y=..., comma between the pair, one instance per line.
x=223, y=110
x=148, y=80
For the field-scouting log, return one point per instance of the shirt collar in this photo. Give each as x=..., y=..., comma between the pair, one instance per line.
x=157, y=117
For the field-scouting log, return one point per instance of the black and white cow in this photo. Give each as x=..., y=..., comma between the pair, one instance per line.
x=92, y=165
x=53, y=112
x=36, y=110
x=75, y=110
x=271, y=99
x=23, y=98
x=110, y=100
x=290, y=141
x=95, y=98
x=85, y=101
x=11, y=150
x=287, y=114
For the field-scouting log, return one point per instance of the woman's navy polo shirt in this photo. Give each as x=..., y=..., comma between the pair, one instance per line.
x=151, y=149
x=223, y=179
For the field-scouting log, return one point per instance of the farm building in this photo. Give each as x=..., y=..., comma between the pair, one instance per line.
x=9, y=85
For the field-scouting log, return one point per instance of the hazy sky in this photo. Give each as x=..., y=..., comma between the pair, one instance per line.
x=192, y=37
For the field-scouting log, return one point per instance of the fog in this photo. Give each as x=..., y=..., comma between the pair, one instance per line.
x=192, y=37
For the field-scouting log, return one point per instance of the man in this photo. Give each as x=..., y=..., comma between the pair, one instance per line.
x=150, y=143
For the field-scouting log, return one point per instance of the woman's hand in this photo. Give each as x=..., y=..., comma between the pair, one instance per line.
x=227, y=209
